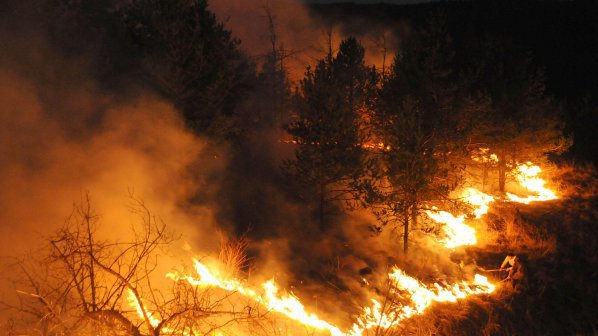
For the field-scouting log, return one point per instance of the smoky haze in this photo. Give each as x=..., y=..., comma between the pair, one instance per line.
x=71, y=127
x=302, y=37
x=63, y=134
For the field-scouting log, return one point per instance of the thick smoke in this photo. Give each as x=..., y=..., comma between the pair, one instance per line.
x=286, y=241
x=304, y=37
x=62, y=136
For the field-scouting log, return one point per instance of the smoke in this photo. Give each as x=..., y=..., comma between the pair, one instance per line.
x=63, y=135
x=286, y=243
x=303, y=36
x=140, y=147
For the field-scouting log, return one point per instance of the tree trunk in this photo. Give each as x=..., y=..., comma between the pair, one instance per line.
x=114, y=317
x=502, y=172
x=501, y=177
x=414, y=213
x=485, y=178
x=406, y=231
x=322, y=208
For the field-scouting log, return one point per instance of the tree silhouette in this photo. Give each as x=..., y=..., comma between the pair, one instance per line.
x=419, y=117
x=191, y=58
x=82, y=284
x=520, y=122
x=329, y=106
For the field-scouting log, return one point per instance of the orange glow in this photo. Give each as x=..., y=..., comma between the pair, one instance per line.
x=420, y=297
x=457, y=232
x=527, y=176
x=477, y=199
x=414, y=297
x=367, y=145
x=483, y=155
x=269, y=296
x=133, y=302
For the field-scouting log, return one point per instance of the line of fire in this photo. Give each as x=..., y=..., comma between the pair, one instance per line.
x=298, y=168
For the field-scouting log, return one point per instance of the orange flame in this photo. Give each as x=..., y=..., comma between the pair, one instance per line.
x=483, y=155
x=477, y=199
x=374, y=316
x=286, y=304
x=421, y=298
x=417, y=295
x=527, y=176
x=457, y=232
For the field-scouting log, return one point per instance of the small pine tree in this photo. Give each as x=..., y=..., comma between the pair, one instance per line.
x=419, y=117
x=520, y=122
x=329, y=155
x=191, y=58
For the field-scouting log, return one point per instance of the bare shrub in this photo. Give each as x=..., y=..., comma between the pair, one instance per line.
x=79, y=284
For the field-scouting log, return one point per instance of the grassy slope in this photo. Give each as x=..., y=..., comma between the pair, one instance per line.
x=561, y=293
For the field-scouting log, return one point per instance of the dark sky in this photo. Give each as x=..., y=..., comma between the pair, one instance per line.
x=399, y=2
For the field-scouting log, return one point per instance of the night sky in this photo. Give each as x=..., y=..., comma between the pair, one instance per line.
x=396, y=2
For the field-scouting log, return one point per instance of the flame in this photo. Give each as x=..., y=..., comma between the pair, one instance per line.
x=408, y=296
x=155, y=322
x=527, y=176
x=458, y=233
x=286, y=304
x=483, y=155
x=420, y=297
x=477, y=199
x=133, y=302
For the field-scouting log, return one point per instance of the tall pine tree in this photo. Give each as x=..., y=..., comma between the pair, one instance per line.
x=191, y=58
x=521, y=123
x=419, y=118
x=329, y=106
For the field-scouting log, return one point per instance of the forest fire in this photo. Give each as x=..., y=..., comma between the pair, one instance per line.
x=268, y=296
x=144, y=314
x=291, y=167
x=483, y=155
x=420, y=297
x=412, y=296
x=406, y=288
x=527, y=176
x=479, y=200
x=457, y=232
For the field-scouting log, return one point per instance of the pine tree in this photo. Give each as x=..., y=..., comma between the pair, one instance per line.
x=191, y=58
x=329, y=155
x=521, y=123
x=419, y=117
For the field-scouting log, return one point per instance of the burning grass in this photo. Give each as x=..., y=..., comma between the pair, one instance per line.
x=219, y=295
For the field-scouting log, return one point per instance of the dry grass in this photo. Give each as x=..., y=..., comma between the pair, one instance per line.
x=233, y=255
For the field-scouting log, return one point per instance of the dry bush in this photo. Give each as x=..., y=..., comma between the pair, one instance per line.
x=233, y=255
x=78, y=284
